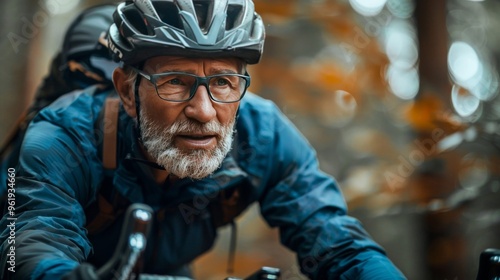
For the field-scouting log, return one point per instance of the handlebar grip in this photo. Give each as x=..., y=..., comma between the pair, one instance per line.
x=489, y=265
x=132, y=243
x=264, y=273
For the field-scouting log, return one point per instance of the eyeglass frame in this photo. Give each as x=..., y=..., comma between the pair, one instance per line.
x=198, y=82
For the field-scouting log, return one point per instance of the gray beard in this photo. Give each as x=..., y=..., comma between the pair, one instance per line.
x=196, y=163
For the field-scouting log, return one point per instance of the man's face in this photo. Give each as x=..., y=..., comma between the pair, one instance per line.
x=189, y=139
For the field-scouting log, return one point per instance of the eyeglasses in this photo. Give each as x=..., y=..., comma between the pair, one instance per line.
x=180, y=86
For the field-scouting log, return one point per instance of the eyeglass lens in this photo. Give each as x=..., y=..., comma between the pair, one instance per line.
x=178, y=87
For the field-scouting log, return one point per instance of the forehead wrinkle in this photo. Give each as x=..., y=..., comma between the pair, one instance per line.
x=211, y=71
x=178, y=64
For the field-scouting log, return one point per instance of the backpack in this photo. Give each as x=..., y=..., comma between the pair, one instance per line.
x=82, y=61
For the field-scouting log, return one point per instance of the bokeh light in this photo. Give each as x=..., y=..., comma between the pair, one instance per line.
x=368, y=7
x=463, y=101
x=401, y=49
x=339, y=110
x=56, y=7
x=474, y=171
x=465, y=67
x=401, y=8
x=400, y=45
x=487, y=87
x=404, y=83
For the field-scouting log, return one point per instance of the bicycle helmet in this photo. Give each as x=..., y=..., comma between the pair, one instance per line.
x=195, y=28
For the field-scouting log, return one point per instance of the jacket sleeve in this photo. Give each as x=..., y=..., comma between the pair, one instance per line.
x=46, y=227
x=309, y=209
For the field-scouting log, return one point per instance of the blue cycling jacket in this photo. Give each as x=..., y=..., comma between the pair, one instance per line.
x=60, y=172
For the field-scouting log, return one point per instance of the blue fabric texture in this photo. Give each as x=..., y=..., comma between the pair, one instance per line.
x=60, y=172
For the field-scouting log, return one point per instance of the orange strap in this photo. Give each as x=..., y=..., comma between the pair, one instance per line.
x=102, y=213
x=105, y=216
x=110, y=130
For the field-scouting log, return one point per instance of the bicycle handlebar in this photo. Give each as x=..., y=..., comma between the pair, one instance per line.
x=132, y=243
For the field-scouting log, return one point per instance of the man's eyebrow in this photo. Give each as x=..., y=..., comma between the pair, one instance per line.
x=166, y=70
x=222, y=71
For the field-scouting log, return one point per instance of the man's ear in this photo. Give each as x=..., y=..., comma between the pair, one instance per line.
x=125, y=90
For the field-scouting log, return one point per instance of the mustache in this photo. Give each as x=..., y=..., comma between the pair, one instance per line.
x=189, y=126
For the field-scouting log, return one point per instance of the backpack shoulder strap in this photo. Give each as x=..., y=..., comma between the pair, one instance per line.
x=109, y=203
x=229, y=204
x=110, y=131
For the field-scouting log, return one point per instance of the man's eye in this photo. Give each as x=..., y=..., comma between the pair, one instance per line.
x=175, y=81
x=170, y=81
x=221, y=82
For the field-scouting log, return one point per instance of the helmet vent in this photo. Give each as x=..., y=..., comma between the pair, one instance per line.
x=201, y=9
x=232, y=16
x=168, y=13
x=136, y=20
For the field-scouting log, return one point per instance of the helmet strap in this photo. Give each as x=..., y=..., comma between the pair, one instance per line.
x=138, y=103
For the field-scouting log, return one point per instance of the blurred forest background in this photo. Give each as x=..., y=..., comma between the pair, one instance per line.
x=398, y=97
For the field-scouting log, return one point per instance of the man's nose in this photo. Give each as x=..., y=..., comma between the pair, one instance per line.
x=200, y=107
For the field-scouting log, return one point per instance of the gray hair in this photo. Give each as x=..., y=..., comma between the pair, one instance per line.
x=131, y=75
